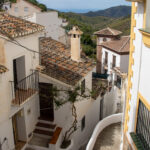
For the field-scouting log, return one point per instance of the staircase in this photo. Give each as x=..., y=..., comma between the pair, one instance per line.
x=44, y=128
x=42, y=134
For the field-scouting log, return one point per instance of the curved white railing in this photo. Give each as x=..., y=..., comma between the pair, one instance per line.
x=115, y=118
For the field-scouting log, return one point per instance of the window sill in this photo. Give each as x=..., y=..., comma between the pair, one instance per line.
x=146, y=36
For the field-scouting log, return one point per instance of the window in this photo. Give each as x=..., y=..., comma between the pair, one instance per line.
x=106, y=58
x=83, y=123
x=142, y=136
x=118, y=81
x=16, y=9
x=104, y=39
x=83, y=86
x=74, y=36
x=143, y=125
x=26, y=9
x=114, y=61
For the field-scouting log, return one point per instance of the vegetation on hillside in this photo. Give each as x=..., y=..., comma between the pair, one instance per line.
x=115, y=12
x=91, y=24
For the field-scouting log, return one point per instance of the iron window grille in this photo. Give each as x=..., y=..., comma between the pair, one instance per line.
x=143, y=126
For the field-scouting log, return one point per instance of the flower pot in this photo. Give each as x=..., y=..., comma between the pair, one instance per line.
x=70, y=147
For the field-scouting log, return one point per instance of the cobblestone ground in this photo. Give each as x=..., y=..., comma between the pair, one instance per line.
x=109, y=138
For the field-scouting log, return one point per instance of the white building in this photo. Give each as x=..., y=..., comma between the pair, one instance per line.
x=19, y=98
x=112, y=60
x=66, y=69
x=21, y=8
x=53, y=25
x=137, y=115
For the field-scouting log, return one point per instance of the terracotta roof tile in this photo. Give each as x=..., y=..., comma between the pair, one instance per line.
x=120, y=46
x=11, y=26
x=65, y=70
x=108, y=31
x=3, y=69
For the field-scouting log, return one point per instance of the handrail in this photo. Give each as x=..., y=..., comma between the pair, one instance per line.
x=25, y=88
x=115, y=118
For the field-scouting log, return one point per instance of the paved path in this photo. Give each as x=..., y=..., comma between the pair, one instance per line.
x=109, y=138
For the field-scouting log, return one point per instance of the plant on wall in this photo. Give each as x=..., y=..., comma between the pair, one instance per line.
x=73, y=97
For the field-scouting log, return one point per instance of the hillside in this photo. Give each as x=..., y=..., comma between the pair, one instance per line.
x=115, y=12
x=91, y=24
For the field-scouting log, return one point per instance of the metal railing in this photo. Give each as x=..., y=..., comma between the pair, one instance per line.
x=25, y=88
x=143, y=125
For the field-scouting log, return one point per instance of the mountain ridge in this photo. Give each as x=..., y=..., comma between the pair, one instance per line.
x=114, y=12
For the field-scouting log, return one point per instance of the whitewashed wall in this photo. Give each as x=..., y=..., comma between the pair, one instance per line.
x=86, y=107
x=140, y=72
x=52, y=23
x=110, y=58
x=6, y=110
x=124, y=63
x=20, y=5
x=100, y=40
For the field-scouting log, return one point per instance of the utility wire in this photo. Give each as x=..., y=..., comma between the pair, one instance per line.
x=12, y=40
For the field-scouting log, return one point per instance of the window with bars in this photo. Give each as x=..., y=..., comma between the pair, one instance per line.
x=143, y=126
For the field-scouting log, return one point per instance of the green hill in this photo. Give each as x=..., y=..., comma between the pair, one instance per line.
x=91, y=24
x=115, y=12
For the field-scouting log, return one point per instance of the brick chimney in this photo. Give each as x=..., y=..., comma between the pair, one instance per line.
x=75, y=35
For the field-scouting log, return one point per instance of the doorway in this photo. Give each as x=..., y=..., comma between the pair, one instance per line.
x=19, y=69
x=19, y=130
x=46, y=101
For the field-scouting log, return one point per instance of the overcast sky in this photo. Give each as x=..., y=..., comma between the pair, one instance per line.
x=83, y=4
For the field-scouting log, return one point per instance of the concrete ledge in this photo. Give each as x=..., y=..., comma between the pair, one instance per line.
x=115, y=118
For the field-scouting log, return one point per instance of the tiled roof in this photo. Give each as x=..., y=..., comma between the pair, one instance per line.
x=121, y=46
x=58, y=64
x=11, y=26
x=108, y=31
x=3, y=69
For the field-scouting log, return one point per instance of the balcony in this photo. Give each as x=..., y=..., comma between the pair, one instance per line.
x=24, y=89
x=107, y=134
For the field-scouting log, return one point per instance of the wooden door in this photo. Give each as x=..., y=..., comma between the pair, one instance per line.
x=46, y=101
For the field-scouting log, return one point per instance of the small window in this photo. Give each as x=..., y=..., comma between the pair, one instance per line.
x=142, y=134
x=83, y=123
x=26, y=9
x=83, y=86
x=104, y=39
x=106, y=58
x=16, y=9
x=74, y=36
x=114, y=61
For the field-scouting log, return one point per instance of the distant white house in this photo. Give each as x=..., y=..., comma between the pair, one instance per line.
x=21, y=8
x=112, y=52
x=112, y=62
x=53, y=25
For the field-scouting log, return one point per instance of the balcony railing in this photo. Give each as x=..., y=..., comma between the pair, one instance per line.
x=24, y=89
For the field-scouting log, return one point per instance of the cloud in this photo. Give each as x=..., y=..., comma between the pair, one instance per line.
x=82, y=4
